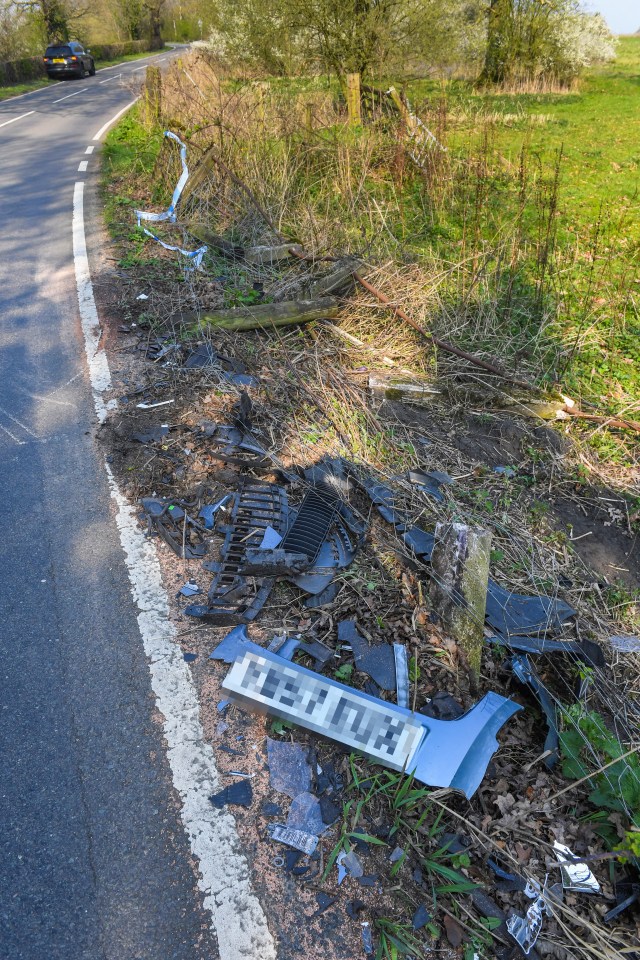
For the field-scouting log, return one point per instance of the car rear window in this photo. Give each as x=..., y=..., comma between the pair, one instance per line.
x=58, y=52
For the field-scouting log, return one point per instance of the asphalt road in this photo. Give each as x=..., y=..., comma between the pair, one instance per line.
x=95, y=862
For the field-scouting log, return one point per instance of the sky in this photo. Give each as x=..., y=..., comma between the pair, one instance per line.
x=623, y=16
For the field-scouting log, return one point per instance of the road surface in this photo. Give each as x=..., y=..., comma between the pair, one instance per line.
x=96, y=862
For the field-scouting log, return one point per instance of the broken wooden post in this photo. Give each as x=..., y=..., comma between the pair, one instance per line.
x=308, y=118
x=152, y=95
x=460, y=565
x=267, y=315
x=353, y=99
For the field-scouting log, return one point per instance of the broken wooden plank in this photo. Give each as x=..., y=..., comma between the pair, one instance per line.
x=272, y=255
x=205, y=235
x=266, y=315
x=390, y=388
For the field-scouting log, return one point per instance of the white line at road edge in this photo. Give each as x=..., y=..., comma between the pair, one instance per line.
x=238, y=919
x=13, y=119
x=113, y=119
x=82, y=166
x=90, y=149
x=84, y=90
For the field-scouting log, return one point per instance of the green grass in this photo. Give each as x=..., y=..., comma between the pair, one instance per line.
x=15, y=89
x=592, y=138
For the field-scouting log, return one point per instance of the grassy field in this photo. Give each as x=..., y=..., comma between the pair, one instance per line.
x=15, y=89
x=590, y=141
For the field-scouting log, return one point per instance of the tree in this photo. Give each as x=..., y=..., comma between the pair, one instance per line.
x=347, y=36
x=54, y=18
x=529, y=39
x=129, y=16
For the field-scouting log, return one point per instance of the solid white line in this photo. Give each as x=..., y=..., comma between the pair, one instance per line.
x=224, y=875
x=109, y=79
x=83, y=166
x=99, y=372
x=90, y=149
x=113, y=120
x=135, y=70
x=13, y=120
x=84, y=89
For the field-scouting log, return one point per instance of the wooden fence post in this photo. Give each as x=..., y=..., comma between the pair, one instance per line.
x=460, y=565
x=152, y=95
x=353, y=99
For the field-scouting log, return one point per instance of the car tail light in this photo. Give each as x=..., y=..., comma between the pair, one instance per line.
x=73, y=58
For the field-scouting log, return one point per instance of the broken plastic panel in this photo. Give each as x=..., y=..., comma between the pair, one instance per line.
x=305, y=815
x=208, y=512
x=513, y=614
x=289, y=771
x=169, y=519
x=311, y=526
x=439, y=753
x=378, y=661
x=626, y=644
x=575, y=876
x=234, y=598
x=430, y=482
x=526, y=674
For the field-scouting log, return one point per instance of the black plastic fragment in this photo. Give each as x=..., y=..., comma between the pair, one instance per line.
x=291, y=859
x=442, y=706
x=189, y=657
x=170, y=520
x=239, y=794
x=327, y=596
x=151, y=435
x=324, y=901
x=270, y=809
x=510, y=882
x=311, y=526
x=329, y=811
x=430, y=482
x=526, y=674
x=420, y=542
x=353, y=908
x=513, y=614
x=368, y=881
x=378, y=661
x=420, y=918
x=233, y=597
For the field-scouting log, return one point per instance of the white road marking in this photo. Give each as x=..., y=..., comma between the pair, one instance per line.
x=224, y=875
x=108, y=80
x=83, y=166
x=90, y=149
x=84, y=89
x=13, y=119
x=135, y=70
x=99, y=372
x=113, y=120
x=20, y=423
x=20, y=443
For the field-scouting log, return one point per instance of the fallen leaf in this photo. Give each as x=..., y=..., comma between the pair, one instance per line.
x=454, y=931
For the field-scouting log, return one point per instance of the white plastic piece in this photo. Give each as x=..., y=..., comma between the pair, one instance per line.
x=575, y=876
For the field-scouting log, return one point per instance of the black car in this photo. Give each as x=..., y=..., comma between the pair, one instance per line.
x=69, y=60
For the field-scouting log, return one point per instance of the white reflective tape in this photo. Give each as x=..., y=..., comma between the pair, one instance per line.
x=169, y=213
